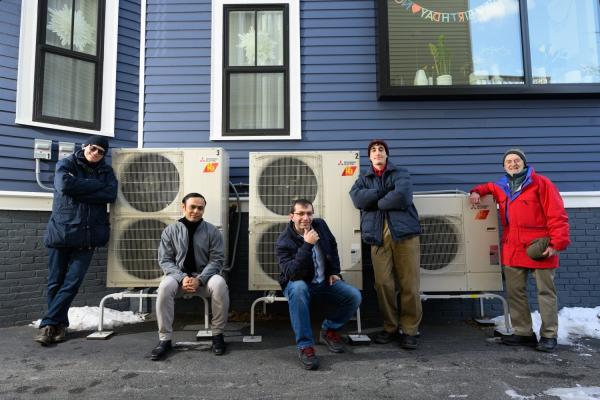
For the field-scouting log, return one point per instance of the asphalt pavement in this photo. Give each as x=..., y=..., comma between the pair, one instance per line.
x=460, y=360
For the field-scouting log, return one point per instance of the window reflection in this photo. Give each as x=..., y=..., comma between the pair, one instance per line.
x=564, y=41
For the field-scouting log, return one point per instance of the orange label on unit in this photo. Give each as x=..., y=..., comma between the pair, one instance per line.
x=211, y=167
x=349, y=171
x=482, y=214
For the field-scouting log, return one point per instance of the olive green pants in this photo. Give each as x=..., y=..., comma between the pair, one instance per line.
x=516, y=291
x=396, y=264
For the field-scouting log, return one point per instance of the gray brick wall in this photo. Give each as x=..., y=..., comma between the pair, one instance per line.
x=24, y=270
x=23, y=273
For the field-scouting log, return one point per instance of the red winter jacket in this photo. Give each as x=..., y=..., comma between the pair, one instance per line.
x=535, y=211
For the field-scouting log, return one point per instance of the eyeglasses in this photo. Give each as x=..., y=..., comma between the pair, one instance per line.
x=99, y=150
x=302, y=213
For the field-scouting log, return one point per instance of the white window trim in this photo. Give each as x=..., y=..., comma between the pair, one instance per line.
x=216, y=85
x=26, y=72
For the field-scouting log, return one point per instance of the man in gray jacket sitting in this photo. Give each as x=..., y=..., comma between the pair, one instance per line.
x=191, y=256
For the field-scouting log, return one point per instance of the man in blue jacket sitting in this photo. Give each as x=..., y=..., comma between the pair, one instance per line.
x=83, y=185
x=310, y=269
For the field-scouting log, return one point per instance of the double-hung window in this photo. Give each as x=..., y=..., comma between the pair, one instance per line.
x=255, y=66
x=67, y=55
x=488, y=47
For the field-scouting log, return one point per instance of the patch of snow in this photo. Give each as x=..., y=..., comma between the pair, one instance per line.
x=575, y=393
x=573, y=323
x=515, y=395
x=86, y=318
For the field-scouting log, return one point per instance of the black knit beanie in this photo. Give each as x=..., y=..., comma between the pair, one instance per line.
x=99, y=141
x=378, y=141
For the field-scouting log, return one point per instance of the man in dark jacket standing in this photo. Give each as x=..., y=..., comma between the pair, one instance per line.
x=310, y=269
x=83, y=185
x=531, y=211
x=390, y=224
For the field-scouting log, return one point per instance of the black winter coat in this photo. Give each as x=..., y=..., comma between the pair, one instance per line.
x=81, y=193
x=296, y=258
x=389, y=196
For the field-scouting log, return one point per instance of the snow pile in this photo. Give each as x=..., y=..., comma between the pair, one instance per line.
x=86, y=318
x=575, y=393
x=573, y=323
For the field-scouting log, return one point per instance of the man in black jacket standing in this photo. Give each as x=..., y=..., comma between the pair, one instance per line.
x=310, y=269
x=83, y=185
x=390, y=224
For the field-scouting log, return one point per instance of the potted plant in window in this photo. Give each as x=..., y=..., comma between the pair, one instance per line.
x=441, y=59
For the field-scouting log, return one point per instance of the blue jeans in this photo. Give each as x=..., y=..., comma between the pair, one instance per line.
x=66, y=269
x=342, y=298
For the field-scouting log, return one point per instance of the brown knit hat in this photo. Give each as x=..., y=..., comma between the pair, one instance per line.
x=378, y=141
x=536, y=248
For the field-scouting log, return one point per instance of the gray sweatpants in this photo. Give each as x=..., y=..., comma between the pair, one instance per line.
x=216, y=289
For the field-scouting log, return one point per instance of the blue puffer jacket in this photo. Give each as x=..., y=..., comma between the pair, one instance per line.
x=296, y=258
x=389, y=196
x=81, y=192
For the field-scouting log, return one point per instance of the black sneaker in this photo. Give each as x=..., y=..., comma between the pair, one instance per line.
x=218, y=345
x=518, y=340
x=60, y=334
x=161, y=350
x=332, y=340
x=308, y=358
x=408, y=342
x=385, y=337
x=46, y=335
x=547, y=345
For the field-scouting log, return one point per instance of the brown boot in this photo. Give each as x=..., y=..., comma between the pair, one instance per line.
x=60, y=334
x=46, y=335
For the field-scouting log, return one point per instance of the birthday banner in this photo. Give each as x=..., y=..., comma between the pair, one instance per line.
x=437, y=16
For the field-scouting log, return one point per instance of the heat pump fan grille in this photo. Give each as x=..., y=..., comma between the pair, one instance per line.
x=137, y=249
x=440, y=242
x=150, y=182
x=266, y=250
x=283, y=180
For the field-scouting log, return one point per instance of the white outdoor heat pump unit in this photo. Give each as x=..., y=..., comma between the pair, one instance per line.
x=459, y=243
x=324, y=178
x=152, y=183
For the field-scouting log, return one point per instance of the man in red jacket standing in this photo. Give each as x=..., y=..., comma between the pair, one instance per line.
x=535, y=228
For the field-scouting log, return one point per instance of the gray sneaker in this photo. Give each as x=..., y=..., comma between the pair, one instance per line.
x=46, y=335
x=332, y=340
x=60, y=334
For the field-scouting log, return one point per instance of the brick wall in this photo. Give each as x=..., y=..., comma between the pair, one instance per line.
x=23, y=273
x=24, y=270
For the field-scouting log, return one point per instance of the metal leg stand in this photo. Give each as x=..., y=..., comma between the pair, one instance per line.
x=270, y=298
x=358, y=338
x=204, y=333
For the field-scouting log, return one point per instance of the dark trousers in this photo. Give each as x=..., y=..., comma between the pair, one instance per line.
x=66, y=269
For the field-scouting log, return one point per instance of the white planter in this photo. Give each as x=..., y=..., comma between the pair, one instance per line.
x=444, y=80
x=420, y=78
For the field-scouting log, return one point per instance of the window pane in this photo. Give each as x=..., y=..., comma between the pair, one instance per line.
x=60, y=24
x=68, y=88
x=454, y=42
x=256, y=101
x=564, y=41
x=242, y=38
x=270, y=38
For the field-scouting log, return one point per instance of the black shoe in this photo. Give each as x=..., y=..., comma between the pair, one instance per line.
x=60, y=334
x=408, y=342
x=308, y=358
x=518, y=340
x=46, y=335
x=218, y=346
x=161, y=350
x=547, y=345
x=385, y=337
x=332, y=340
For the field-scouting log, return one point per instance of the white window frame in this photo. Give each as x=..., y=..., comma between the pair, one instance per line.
x=26, y=72
x=216, y=70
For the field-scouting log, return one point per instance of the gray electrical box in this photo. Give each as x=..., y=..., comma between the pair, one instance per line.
x=65, y=149
x=42, y=148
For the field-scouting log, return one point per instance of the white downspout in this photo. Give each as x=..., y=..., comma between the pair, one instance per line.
x=141, y=85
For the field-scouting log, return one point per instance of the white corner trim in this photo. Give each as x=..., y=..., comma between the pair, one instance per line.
x=216, y=71
x=142, y=75
x=26, y=71
x=581, y=199
x=25, y=201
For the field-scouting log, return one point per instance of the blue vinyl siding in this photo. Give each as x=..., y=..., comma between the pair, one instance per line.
x=16, y=142
x=445, y=144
